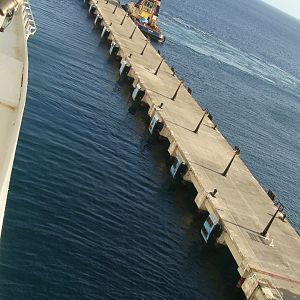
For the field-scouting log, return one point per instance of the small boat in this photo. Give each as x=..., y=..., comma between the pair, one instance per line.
x=144, y=13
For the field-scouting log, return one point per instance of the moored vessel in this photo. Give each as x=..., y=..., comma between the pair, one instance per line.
x=16, y=25
x=145, y=13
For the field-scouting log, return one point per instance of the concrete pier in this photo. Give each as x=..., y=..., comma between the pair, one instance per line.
x=269, y=265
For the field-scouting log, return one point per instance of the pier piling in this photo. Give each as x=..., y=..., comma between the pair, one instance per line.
x=131, y=36
x=173, y=71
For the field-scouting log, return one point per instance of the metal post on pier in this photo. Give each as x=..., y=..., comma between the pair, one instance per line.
x=237, y=152
x=156, y=72
x=115, y=8
x=198, y=126
x=147, y=42
x=131, y=36
x=123, y=19
x=176, y=92
x=280, y=209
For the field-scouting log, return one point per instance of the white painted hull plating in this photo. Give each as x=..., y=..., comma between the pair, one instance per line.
x=13, y=89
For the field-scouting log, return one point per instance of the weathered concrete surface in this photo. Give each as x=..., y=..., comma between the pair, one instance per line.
x=270, y=266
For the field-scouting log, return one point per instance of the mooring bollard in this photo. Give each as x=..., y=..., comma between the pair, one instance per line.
x=91, y=7
x=173, y=70
x=237, y=152
x=176, y=92
x=213, y=193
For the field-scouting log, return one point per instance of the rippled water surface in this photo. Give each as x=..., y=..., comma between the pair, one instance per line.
x=92, y=211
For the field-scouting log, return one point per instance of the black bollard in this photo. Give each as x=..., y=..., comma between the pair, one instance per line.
x=173, y=70
x=213, y=193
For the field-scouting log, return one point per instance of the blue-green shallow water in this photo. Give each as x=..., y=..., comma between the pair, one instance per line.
x=92, y=212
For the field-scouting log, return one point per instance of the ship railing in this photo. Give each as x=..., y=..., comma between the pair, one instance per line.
x=29, y=23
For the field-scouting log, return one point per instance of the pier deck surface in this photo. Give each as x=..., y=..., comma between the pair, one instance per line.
x=270, y=266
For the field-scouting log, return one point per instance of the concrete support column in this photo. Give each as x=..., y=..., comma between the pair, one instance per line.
x=104, y=30
x=91, y=8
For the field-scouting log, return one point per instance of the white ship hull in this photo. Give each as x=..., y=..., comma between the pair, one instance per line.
x=13, y=89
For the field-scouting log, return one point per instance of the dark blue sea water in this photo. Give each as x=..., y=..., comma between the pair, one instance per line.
x=92, y=211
